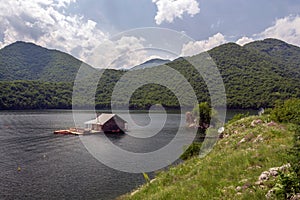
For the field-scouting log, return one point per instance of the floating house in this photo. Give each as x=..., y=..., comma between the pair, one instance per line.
x=106, y=123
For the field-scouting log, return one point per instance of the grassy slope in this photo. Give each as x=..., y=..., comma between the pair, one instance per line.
x=228, y=166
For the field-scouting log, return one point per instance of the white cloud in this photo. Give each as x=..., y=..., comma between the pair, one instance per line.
x=125, y=52
x=45, y=22
x=168, y=10
x=244, y=40
x=286, y=29
x=193, y=48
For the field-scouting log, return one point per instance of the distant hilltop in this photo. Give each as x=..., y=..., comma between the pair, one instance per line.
x=151, y=63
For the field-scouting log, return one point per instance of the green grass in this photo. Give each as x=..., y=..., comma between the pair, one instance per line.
x=229, y=165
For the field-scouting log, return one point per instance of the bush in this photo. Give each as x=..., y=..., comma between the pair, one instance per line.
x=295, y=152
x=191, y=151
x=289, y=183
x=287, y=111
x=202, y=112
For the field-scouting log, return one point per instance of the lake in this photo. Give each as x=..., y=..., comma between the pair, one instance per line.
x=36, y=164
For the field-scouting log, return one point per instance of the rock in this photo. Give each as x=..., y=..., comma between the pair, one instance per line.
x=285, y=167
x=221, y=130
x=261, y=111
x=295, y=197
x=270, y=193
x=242, y=141
x=273, y=172
x=238, y=188
x=259, y=183
x=262, y=186
x=255, y=122
x=259, y=138
x=246, y=186
x=264, y=176
x=189, y=118
x=271, y=124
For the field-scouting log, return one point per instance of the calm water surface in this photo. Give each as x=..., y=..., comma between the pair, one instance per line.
x=36, y=164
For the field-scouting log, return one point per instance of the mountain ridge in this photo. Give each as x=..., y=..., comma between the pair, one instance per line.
x=253, y=77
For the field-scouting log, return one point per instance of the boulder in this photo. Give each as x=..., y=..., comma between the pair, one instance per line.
x=256, y=122
x=271, y=124
x=189, y=118
x=264, y=176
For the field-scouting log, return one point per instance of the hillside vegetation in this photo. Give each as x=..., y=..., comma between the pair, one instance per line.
x=252, y=161
x=35, y=95
x=255, y=75
x=27, y=61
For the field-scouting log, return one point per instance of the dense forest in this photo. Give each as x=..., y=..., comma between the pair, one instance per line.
x=254, y=75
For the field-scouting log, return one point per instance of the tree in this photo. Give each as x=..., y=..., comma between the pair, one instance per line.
x=202, y=113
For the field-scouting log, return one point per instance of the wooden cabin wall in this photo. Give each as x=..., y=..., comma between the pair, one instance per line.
x=111, y=125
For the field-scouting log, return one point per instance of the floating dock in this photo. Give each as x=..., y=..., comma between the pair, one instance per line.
x=72, y=131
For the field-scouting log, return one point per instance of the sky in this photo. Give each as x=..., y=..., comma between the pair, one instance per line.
x=102, y=32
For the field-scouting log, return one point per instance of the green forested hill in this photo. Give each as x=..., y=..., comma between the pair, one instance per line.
x=254, y=75
x=276, y=48
x=27, y=61
x=35, y=95
x=254, y=79
x=284, y=55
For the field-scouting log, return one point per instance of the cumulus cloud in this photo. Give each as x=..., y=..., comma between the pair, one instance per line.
x=124, y=52
x=168, y=10
x=45, y=22
x=286, y=29
x=193, y=48
x=244, y=40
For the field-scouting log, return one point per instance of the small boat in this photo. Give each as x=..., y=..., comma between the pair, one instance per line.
x=63, y=132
